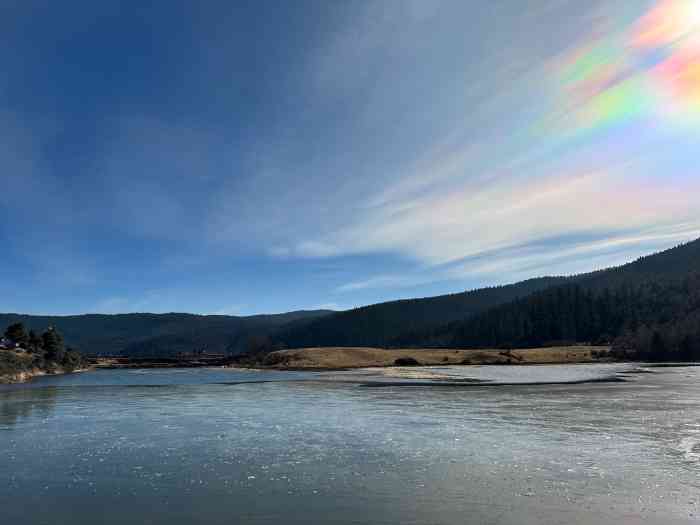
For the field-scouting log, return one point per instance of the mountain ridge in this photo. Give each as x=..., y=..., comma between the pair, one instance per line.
x=156, y=334
x=367, y=326
x=429, y=321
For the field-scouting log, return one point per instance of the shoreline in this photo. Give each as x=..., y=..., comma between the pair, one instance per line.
x=329, y=359
x=25, y=376
x=347, y=359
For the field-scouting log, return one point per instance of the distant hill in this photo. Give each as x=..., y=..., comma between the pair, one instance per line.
x=380, y=324
x=144, y=334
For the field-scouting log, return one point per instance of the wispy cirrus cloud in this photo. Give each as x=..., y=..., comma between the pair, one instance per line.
x=525, y=164
x=417, y=146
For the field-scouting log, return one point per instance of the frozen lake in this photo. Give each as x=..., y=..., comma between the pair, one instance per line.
x=225, y=446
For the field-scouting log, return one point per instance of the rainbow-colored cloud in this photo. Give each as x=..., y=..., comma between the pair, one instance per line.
x=647, y=68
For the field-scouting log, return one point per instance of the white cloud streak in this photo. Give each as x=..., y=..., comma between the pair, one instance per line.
x=486, y=182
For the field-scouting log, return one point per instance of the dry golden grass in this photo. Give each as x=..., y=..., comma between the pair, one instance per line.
x=346, y=357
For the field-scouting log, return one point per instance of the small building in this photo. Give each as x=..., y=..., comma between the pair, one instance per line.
x=8, y=344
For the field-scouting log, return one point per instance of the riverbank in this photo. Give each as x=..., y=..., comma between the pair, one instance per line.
x=120, y=362
x=19, y=367
x=27, y=375
x=340, y=358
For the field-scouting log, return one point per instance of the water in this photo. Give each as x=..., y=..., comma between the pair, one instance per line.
x=222, y=446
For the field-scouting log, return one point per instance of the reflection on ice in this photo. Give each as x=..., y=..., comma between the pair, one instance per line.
x=502, y=374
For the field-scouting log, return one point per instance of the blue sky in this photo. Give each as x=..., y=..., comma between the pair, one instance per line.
x=246, y=157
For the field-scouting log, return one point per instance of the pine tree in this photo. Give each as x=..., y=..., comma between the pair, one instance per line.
x=33, y=342
x=17, y=334
x=53, y=345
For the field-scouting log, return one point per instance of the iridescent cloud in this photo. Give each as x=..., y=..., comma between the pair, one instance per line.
x=646, y=69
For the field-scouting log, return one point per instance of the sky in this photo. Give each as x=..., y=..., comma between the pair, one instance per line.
x=247, y=157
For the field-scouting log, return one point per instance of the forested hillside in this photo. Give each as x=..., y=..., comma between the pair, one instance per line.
x=571, y=313
x=380, y=324
x=650, y=308
x=485, y=317
x=160, y=334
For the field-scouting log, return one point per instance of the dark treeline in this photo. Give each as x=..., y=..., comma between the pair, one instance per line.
x=22, y=350
x=655, y=320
